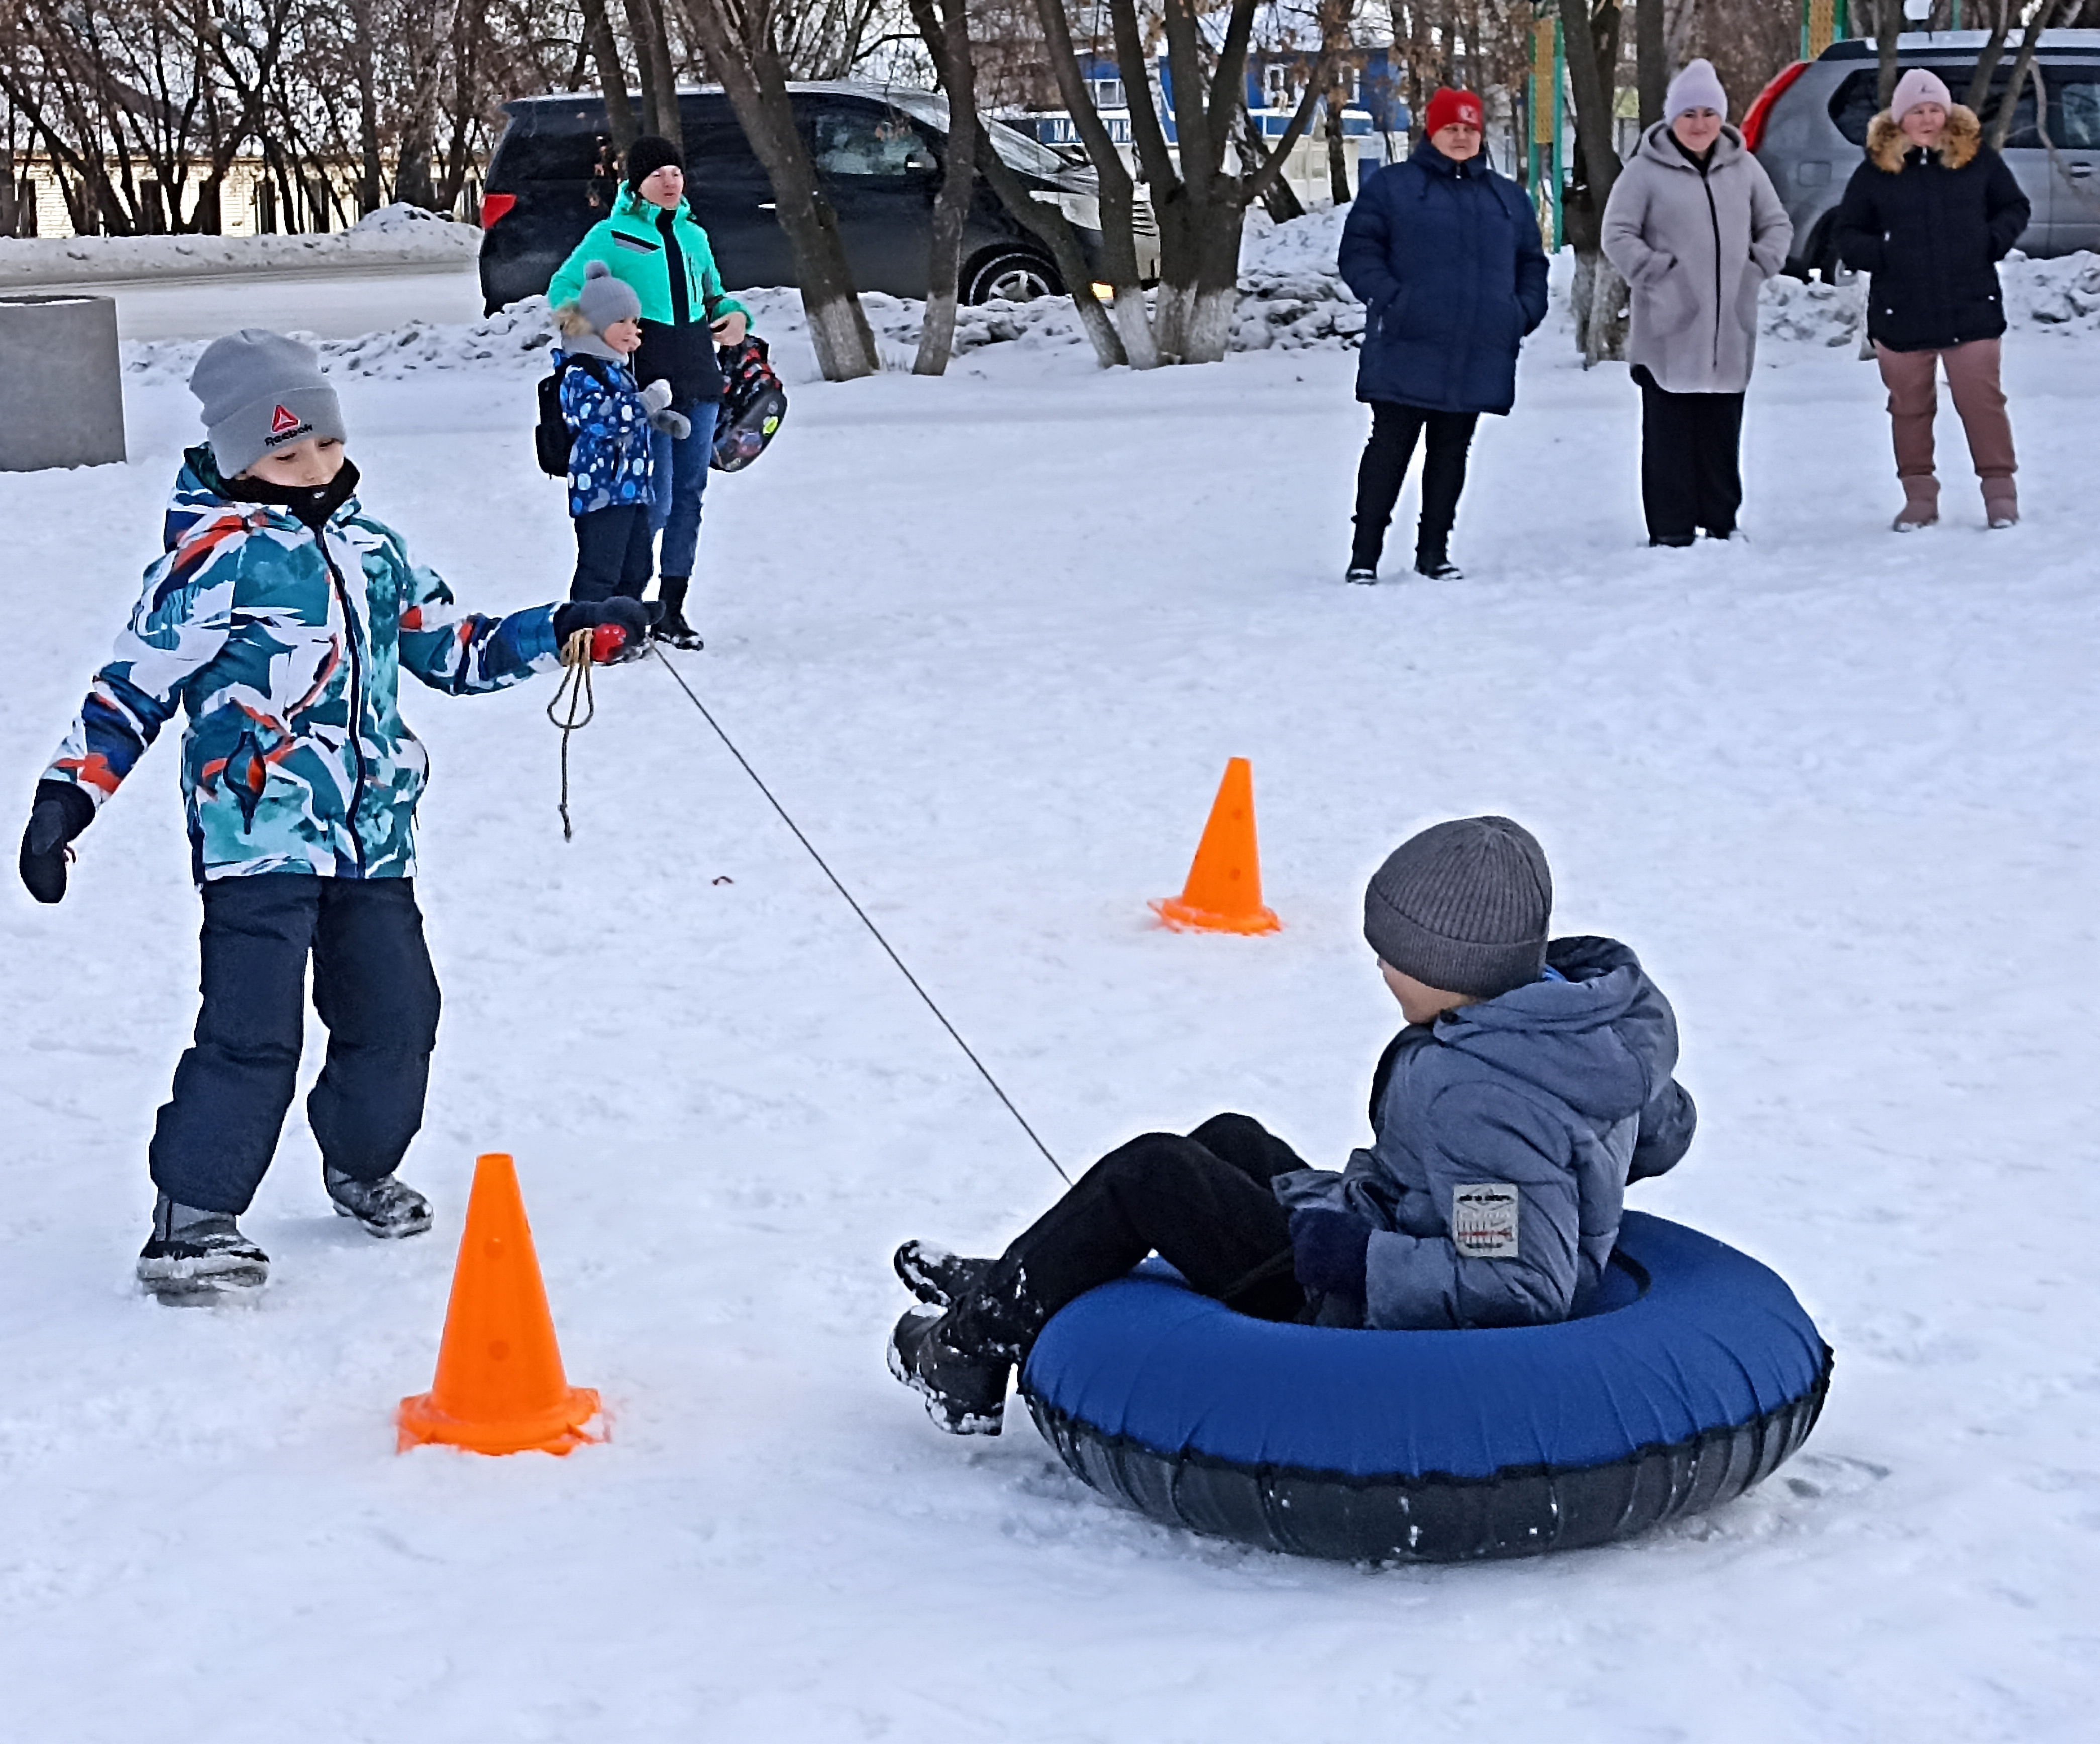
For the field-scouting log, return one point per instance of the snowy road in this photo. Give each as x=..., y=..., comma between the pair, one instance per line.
x=335, y=305
x=991, y=639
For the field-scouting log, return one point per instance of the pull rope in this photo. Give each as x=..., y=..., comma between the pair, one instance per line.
x=575, y=685
x=969, y=1053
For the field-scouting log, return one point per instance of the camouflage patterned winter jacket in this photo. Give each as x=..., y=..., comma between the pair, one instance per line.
x=275, y=640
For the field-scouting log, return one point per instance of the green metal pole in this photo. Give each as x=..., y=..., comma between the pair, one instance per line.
x=1560, y=84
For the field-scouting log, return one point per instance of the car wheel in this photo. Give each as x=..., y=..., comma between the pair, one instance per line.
x=1014, y=278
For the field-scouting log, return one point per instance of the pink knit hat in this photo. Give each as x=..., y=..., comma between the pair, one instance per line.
x=1917, y=87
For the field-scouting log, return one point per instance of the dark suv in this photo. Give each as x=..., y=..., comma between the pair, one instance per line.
x=878, y=154
x=1809, y=129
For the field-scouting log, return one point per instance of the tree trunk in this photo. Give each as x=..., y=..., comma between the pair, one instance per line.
x=1281, y=201
x=371, y=177
x=660, y=79
x=612, y=75
x=739, y=51
x=1591, y=43
x=1117, y=192
x=1651, y=60
x=947, y=40
x=1888, y=27
x=1335, y=18
x=1055, y=231
x=1978, y=96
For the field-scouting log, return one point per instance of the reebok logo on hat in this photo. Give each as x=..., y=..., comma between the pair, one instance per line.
x=282, y=421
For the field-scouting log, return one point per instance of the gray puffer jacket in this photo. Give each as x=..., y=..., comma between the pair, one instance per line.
x=1504, y=1137
x=1696, y=248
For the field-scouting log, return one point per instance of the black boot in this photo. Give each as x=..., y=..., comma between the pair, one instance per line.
x=672, y=627
x=933, y=1274
x=960, y=1361
x=388, y=1207
x=196, y=1257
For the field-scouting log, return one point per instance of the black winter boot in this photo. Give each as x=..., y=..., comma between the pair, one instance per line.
x=672, y=627
x=195, y=1257
x=960, y=1361
x=933, y=1274
x=388, y=1207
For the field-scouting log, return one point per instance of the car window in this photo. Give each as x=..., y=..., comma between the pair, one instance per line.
x=1020, y=151
x=852, y=141
x=2023, y=136
x=551, y=148
x=2078, y=112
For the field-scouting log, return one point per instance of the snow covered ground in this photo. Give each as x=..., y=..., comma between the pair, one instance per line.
x=991, y=639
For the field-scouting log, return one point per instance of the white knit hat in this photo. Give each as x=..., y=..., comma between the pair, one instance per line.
x=1917, y=87
x=1698, y=86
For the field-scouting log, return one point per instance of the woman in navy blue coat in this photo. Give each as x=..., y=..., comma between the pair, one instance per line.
x=1444, y=256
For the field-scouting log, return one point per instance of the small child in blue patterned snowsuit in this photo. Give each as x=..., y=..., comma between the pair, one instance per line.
x=610, y=481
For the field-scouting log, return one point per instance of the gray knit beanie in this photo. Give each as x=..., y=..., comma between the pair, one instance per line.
x=260, y=392
x=605, y=300
x=1463, y=906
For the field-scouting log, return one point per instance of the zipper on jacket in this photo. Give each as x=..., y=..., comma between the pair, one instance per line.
x=1713, y=218
x=356, y=698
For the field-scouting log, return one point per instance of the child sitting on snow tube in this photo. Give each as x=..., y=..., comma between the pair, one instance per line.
x=1531, y=1085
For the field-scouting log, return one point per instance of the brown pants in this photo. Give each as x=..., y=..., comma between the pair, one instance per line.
x=1972, y=376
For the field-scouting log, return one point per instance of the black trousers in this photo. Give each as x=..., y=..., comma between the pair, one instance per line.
x=1383, y=468
x=1692, y=474
x=614, y=554
x=1201, y=1202
x=375, y=991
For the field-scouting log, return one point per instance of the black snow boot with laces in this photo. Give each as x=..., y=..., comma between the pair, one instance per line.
x=388, y=1207
x=672, y=627
x=961, y=1359
x=195, y=1257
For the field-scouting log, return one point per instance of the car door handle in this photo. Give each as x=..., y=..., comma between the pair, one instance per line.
x=2081, y=169
x=766, y=205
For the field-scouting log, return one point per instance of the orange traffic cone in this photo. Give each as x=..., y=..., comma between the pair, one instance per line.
x=500, y=1388
x=1224, y=891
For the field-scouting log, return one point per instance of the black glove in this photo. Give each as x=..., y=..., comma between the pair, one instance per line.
x=620, y=626
x=59, y=812
x=1329, y=1250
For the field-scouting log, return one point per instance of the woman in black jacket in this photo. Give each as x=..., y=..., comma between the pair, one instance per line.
x=1930, y=215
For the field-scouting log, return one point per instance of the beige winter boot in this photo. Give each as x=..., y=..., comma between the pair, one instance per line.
x=1920, y=506
x=2001, y=502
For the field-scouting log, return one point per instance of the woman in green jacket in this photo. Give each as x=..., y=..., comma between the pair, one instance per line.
x=651, y=242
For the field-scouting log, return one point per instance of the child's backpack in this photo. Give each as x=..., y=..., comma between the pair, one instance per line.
x=753, y=404
x=552, y=437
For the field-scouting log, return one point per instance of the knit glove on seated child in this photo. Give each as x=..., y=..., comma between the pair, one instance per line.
x=1329, y=1250
x=656, y=400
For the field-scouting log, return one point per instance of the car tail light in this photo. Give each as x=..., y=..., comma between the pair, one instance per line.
x=1760, y=112
x=496, y=207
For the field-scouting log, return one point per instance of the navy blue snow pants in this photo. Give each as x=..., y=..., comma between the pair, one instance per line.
x=376, y=994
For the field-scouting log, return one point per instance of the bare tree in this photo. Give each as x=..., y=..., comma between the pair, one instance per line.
x=738, y=37
x=2038, y=19
x=945, y=27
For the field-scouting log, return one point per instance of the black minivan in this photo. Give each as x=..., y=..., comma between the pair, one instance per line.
x=877, y=152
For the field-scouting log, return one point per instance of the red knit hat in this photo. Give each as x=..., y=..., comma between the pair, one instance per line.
x=1448, y=106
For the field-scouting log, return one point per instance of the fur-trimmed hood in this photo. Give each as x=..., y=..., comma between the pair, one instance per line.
x=1886, y=142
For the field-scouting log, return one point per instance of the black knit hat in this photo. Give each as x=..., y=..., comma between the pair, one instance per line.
x=649, y=154
x=1463, y=906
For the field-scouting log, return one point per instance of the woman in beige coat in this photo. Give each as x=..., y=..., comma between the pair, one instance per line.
x=1695, y=227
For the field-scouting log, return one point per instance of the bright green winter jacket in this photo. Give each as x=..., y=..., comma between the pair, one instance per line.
x=630, y=243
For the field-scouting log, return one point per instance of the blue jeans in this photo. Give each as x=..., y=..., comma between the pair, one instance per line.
x=681, y=479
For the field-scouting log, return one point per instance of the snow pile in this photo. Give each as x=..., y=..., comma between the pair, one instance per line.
x=1814, y=313
x=399, y=218
x=2063, y=294
x=1047, y=322
x=1291, y=293
x=514, y=339
x=398, y=241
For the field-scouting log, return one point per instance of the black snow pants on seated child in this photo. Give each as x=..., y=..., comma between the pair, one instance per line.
x=375, y=992
x=1201, y=1202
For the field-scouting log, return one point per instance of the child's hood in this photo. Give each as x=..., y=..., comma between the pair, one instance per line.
x=201, y=494
x=1603, y=1040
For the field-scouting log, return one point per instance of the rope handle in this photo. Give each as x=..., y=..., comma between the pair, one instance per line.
x=575, y=685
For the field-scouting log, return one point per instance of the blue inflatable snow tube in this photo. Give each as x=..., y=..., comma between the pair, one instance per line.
x=1689, y=1380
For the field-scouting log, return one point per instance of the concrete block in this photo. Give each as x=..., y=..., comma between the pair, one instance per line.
x=61, y=386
